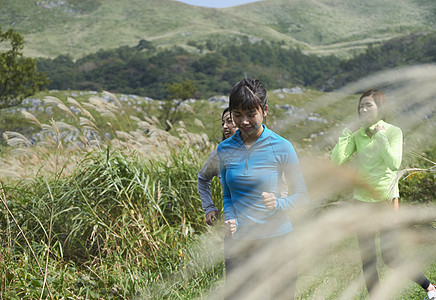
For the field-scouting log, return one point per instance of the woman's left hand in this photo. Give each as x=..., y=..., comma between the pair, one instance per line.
x=229, y=227
x=270, y=200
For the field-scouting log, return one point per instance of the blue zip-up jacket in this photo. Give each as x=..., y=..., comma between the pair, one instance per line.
x=269, y=165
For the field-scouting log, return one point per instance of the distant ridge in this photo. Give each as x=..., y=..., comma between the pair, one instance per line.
x=341, y=27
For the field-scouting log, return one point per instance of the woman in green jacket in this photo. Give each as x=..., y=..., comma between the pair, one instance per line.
x=379, y=147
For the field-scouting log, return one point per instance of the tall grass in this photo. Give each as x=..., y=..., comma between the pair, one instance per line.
x=115, y=213
x=99, y=217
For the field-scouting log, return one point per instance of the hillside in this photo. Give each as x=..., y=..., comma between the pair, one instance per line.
x=79, y=27
x=327, y=26
x=311, y=119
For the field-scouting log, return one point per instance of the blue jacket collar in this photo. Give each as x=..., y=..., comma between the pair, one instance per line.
x=265, y=134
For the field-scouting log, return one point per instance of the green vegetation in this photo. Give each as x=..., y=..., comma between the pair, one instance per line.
x=102, y=219
x=341, y=27
x=413, y=49
x=111, y=229
x=418, y=187
x=180, y=92
x=147, y=73
x=19, y=78
x=120, y=217
x=145, y=70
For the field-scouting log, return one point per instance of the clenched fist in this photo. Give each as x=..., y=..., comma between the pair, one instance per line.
x=270, y=200
x=229, y=227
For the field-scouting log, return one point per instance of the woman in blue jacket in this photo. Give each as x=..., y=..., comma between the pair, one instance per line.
x=261, y=180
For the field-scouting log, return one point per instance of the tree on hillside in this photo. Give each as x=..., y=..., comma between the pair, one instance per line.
x=144, y=44
x=63, y=72
x=180, y=92
x=19, y=77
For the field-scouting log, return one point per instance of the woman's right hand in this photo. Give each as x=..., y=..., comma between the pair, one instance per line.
x=211, y=217
x=270, y=201
x=230, y=227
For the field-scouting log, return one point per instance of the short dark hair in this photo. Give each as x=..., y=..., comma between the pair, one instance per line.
x=227, y=109
x=248, y=94
x=377, y=95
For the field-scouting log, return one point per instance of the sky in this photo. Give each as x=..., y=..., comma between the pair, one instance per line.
x=216, y=3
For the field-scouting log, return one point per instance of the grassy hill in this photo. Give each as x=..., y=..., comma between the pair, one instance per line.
x=79, y=27
x=330, y=25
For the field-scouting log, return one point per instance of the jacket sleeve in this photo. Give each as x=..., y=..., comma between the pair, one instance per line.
x=204, y=177
x=297, y=191
x=345, y=147
x=390, y=144
x=229, y=211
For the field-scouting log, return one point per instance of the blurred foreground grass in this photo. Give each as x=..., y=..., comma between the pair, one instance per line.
x=114, y=213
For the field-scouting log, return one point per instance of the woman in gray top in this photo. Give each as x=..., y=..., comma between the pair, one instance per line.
x=210, y=169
